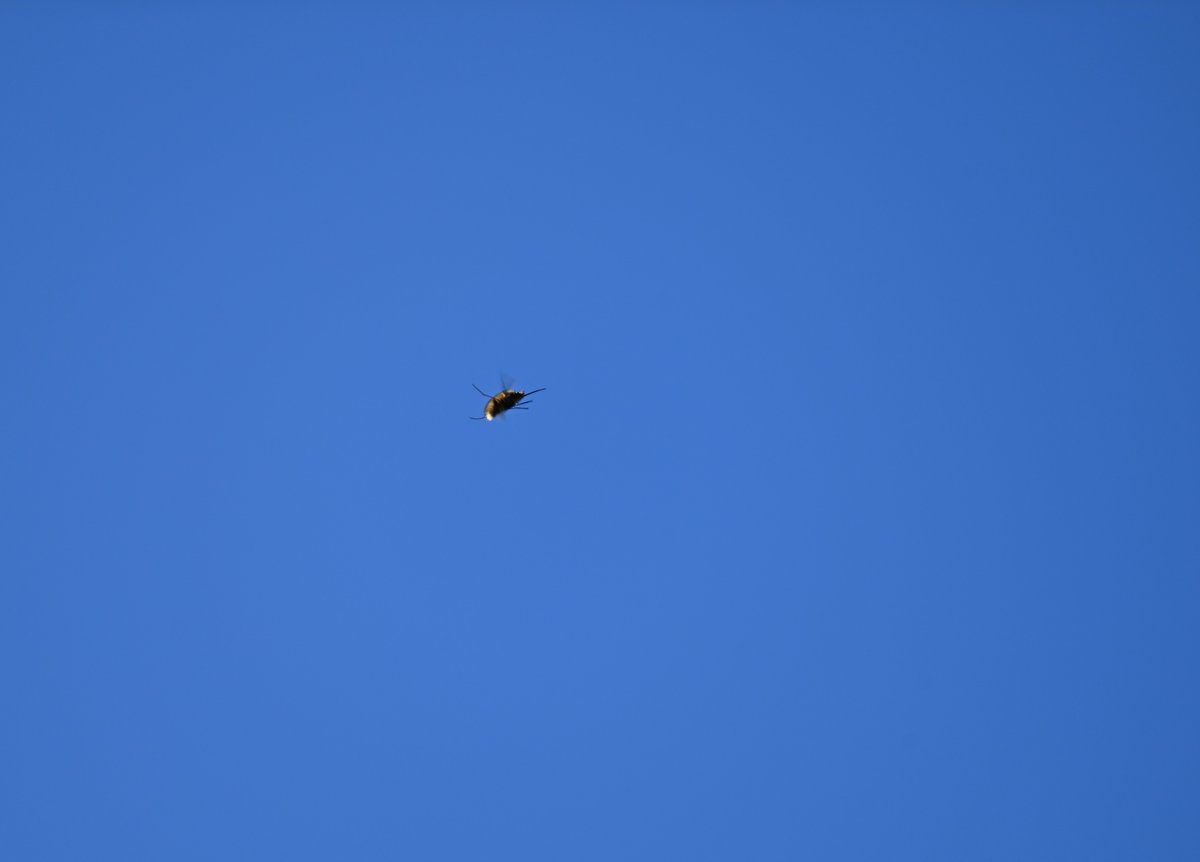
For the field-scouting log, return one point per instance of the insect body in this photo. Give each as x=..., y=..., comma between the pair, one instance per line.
x=509, y=399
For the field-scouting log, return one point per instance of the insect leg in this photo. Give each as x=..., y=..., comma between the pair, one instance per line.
x=481, y=392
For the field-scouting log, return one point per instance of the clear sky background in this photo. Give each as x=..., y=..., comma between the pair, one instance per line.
x=860, y=519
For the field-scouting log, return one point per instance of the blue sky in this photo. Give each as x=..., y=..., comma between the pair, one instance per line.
x=858, y=519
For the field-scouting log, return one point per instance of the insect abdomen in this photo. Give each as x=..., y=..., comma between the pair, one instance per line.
x=503, y=401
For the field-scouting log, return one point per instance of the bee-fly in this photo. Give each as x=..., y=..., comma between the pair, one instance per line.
x=509, y=399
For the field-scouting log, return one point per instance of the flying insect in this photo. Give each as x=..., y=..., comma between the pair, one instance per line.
x=508, y=399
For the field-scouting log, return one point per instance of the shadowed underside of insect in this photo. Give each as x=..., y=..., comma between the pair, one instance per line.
x=509, y=399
